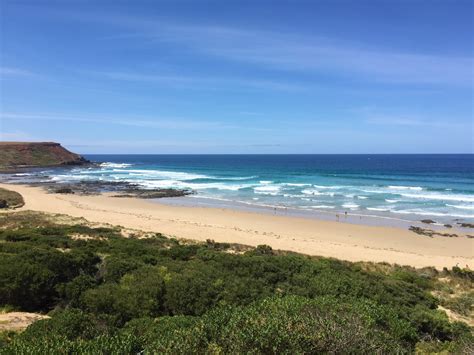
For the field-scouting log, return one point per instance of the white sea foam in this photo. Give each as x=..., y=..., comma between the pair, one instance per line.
x=381, y=209
x=218, y=186
x=61, y=178
x=267, y=189
x=177, y=184
x=163, y=174
x=350, y=205
x=266, y=182
x=362, y=197
x=115, y=165
x=441, y=197
x=322, y=207
x=295, y=184
x=391, y=201
x=314, y=192
x=431, y=213
x=236, y=178
x=462, y=207
x=311, y=192
x=329, y=187
x=413, y=188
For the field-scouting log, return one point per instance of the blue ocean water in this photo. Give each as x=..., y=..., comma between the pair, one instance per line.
x=400, y=186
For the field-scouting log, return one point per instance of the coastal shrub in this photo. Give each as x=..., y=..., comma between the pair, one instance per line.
x=278, y=325
x=28, y=279
x=59, y=345
x=114, y=268
x=70, y=323
x=71, y=292
x=162, y=295
x=138, y=294
x=300, y=325
x=25, y=285
x=193, y=291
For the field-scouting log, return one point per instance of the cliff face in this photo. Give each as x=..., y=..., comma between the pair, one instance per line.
x=32, y=154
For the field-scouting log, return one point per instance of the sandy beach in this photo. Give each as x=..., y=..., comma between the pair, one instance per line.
x=309, y=236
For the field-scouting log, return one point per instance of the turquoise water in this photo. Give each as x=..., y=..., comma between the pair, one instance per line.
x=440, y=187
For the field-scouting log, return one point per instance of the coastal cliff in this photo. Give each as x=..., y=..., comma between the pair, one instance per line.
x=36, y=154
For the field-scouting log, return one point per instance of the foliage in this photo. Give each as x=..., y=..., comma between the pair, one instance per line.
x=105, y=292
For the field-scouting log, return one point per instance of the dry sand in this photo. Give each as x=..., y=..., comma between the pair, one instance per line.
x=15, y=321
x=314, y=237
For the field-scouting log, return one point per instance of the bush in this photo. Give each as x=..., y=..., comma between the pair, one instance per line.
x=138, y=294
x=162, y=296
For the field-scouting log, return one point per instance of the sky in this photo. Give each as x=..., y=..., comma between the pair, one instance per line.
x=186, y=77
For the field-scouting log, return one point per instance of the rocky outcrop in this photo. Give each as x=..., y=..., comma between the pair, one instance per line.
x=36, y=154
x=119, y=188
x=431, y=233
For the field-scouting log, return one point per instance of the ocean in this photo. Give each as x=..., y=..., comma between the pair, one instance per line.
x=409, y=187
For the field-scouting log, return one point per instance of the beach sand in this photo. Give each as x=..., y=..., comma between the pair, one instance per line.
x=303, y=235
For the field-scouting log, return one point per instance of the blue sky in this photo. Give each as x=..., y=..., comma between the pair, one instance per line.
x=239, y=76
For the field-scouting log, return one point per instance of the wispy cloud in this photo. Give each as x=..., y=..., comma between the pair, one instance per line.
x=15, y=136
x=412, y=121
x=297, y=53
x=10, y=71
x=199, y=83
x=287, y=51
x=136, y=121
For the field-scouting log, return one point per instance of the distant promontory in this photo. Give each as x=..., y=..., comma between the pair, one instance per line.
x=36, y=154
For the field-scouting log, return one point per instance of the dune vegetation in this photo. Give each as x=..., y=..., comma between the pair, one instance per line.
x=111, y=290
x=10, y=199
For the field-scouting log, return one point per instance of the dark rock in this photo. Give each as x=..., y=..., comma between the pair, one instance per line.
x=155, y=193
x=121, y=188
x=64, y=190
x=422, y=231
x=467, y=225
x=3, y=204
x=431, y=233
x=448, y=226
x=427, y=221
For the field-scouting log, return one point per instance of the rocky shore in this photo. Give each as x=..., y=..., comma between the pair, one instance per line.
x=118, y=189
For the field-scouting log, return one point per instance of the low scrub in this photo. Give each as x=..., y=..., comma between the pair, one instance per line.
x=109, y=294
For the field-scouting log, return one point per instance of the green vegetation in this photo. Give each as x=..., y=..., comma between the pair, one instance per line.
x=10, y=199
x=110, y=294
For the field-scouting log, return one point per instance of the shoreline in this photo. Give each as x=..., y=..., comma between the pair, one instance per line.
x=345, y=241
x=352, y=217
